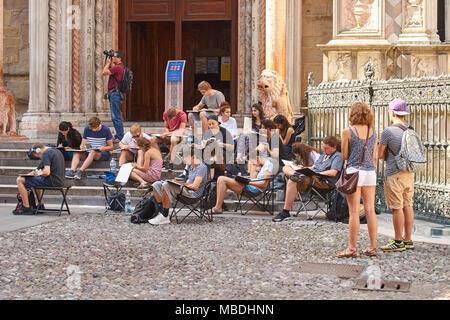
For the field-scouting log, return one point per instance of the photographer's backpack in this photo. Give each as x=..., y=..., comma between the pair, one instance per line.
x=126, y=84
x=31, y=201
x=411, y=157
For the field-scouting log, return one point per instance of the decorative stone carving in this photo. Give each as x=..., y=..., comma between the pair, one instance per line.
x=341, y=67
x=414, y=13
x=76, y=65
x=358, y=17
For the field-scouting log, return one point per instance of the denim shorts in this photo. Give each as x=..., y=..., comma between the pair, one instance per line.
x=37, y=181
x=252, y=189
x=106, y=156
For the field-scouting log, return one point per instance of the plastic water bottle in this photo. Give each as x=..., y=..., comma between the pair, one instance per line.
x=113, y=165
x=128, y=203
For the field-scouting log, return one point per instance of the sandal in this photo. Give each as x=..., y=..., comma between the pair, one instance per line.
x=370, y=252
x=143, y=186
x=348, y=253
x=214, y=211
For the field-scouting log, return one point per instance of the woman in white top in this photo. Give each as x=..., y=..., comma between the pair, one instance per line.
x=226, y=120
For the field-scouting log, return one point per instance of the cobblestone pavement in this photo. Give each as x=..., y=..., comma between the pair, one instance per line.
x=93, y=256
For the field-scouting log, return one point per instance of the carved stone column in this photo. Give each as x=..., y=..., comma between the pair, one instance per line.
x=250, y=27
x=294, y=54
x=88, y=56
x=359, y=38
x=447, y=21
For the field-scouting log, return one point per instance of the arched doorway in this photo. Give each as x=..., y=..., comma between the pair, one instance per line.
x=204, y=33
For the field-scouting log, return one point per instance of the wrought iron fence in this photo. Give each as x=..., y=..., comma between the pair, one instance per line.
x=428, y=99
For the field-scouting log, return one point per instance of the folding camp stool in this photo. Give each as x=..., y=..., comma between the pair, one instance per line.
x=63, y=190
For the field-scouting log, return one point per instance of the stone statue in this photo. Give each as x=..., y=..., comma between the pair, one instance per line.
x=7, y=113
x=274, y=96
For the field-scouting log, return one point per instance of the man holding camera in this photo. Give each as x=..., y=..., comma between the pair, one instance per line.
x=115, y=69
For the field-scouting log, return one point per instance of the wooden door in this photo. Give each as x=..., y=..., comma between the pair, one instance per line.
x=149, y=46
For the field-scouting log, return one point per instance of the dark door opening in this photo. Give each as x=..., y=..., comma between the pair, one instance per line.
x=149, y=46
x=206, y=47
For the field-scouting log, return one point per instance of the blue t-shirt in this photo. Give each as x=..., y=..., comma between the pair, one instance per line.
x=97, y=139
x=200, y=171
x=333, y=162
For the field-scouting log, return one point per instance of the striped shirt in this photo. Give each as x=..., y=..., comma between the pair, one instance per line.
x=99, y=138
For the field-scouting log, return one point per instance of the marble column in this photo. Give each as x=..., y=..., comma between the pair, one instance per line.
x=276, y=36
x=63, y=40
x=39, y=27
x=294, y=54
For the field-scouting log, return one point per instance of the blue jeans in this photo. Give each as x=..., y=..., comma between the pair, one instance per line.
x=115, y=101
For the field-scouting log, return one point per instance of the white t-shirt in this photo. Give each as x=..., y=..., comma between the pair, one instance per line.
x=130, y=141
x=230, y=125
x=266, y=168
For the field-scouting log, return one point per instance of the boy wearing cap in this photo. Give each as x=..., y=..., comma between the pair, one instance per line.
x=398, y=185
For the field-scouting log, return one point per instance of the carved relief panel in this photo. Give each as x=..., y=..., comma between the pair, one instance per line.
x=359, y=17
x=340, y=66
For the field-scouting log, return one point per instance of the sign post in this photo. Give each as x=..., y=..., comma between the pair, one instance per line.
x=174, y=84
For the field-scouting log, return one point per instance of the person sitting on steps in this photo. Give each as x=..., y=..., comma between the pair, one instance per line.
x=130, y=151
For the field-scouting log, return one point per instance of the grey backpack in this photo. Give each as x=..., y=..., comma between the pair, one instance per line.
x=411, y=157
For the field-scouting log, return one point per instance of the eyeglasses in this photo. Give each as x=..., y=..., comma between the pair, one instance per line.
x=136, y=137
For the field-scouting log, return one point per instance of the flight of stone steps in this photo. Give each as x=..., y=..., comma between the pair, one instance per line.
x=84, y=192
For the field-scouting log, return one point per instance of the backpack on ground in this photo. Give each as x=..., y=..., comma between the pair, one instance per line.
x=116, y=201
x=145, y=210
x=337, y=207
x=411, y=157
x=126, y=84
x=31, y=201
x=211, y=196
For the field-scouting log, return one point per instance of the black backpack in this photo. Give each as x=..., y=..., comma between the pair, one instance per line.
x=116, y=201
x=337, y=207
x=126, y=84
x=145, y=210
x=211, y=196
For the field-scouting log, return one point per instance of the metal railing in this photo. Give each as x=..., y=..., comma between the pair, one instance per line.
x=428, y=99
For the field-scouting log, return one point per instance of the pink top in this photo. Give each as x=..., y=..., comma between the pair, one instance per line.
x=153, y=173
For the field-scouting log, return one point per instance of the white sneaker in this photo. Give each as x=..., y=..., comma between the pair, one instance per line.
x=159, y=220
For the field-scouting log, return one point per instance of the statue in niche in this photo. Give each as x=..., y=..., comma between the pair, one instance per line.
x=358, y=14
x=414, y=13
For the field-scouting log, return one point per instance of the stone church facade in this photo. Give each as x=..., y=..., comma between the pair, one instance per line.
x=53, y=49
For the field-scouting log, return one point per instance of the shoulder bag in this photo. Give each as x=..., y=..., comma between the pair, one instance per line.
x=348, y=182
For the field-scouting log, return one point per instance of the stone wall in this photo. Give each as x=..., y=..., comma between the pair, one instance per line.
x=16, y=52
x=317, y=28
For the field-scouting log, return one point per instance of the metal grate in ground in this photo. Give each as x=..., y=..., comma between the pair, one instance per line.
x=396, y=286
x=345, y=271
